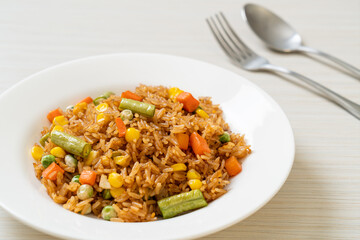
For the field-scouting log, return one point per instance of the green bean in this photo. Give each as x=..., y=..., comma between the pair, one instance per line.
x=47, y=160
x=108, y=212
x=106, y=194
x=98, y=100
x=108, y=94
x=225, y=137
x=126, y=114
x=174, y=205
x=76, y=178
x=145, y=109
x=71, y=143
x=44, y=138
x=71, y=161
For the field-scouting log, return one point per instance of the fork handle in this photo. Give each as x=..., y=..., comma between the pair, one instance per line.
x=355, y=71
x=345, y=103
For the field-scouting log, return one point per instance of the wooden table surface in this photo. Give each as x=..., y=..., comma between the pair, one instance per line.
x=321, y=198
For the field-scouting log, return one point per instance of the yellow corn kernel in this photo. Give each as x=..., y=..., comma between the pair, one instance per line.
x=202, y=113
x=37, y=152
x=79, y=107
x=174, y=92
x=92, y=155
x=116, y=180
x=102, y=118
x=179, y=167
x=60, y=120
x=102, y=107
x=122, y=160
x=58, y=152
x=195, y=184
x=132, y=134
x=58, y=128
x=116, y=192
x=193, y=174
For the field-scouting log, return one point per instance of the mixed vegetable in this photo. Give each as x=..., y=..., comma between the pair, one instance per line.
x=71, y=149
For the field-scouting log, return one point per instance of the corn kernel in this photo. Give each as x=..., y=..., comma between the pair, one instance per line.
x=102, y=107
x=132, y=134
x=58, y=152
x=37, y=152
x=60, y=120
x=194, y=184
x=122, y=160
x=79, y=107
x=202, y=113
x=92, y=155
x=193, y=174
x=102, y=118
x=179, y=167
x=58, y=128
x=116, y=180
x=174, y=92
x=116, y=192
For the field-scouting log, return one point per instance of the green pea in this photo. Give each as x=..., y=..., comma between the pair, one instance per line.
x=76, y=178
x=106, y=194
x=225, y=137
x=108, y=212
x=85, y=191
x=126, y=115
x=71, y=161
x=47, y=160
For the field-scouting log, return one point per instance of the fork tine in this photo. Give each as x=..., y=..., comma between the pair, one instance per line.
x=220, y=39
x=234, y=41
x=234, y=37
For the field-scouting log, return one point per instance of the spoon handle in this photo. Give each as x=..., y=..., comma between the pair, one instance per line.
x=355, y=71
x=345, y=103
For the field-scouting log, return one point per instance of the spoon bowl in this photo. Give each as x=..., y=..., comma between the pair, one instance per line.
x=273, y=30
x=280, y=36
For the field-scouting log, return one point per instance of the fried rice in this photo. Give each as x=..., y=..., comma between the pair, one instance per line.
x=148, y=175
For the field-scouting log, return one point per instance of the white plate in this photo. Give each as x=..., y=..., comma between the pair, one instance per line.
x=247, y=108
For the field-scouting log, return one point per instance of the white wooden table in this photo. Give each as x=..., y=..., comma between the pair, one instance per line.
x=321, y=198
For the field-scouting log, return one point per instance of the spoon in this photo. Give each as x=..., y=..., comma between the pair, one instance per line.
x=280, y=36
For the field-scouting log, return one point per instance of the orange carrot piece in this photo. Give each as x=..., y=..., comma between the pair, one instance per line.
x=121, y=127
x=51, y=171
x=87, y=100
x=189, y=102
x=183, y=140
x=199, y=144
x=54, y=113
x=87, y=177
x=232, y=166
x=131, y=95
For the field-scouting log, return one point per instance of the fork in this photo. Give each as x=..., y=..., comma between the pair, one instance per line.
x=247, y=59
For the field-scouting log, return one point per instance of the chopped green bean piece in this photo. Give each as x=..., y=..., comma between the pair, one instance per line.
x=225, y=137
x=98, y=100
x=126, y=115
x=106, y=194
x=71, y=143
x=108, y=94
x=71, y=161
x=174, y=205
x=145, y=109
x=44, y=138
